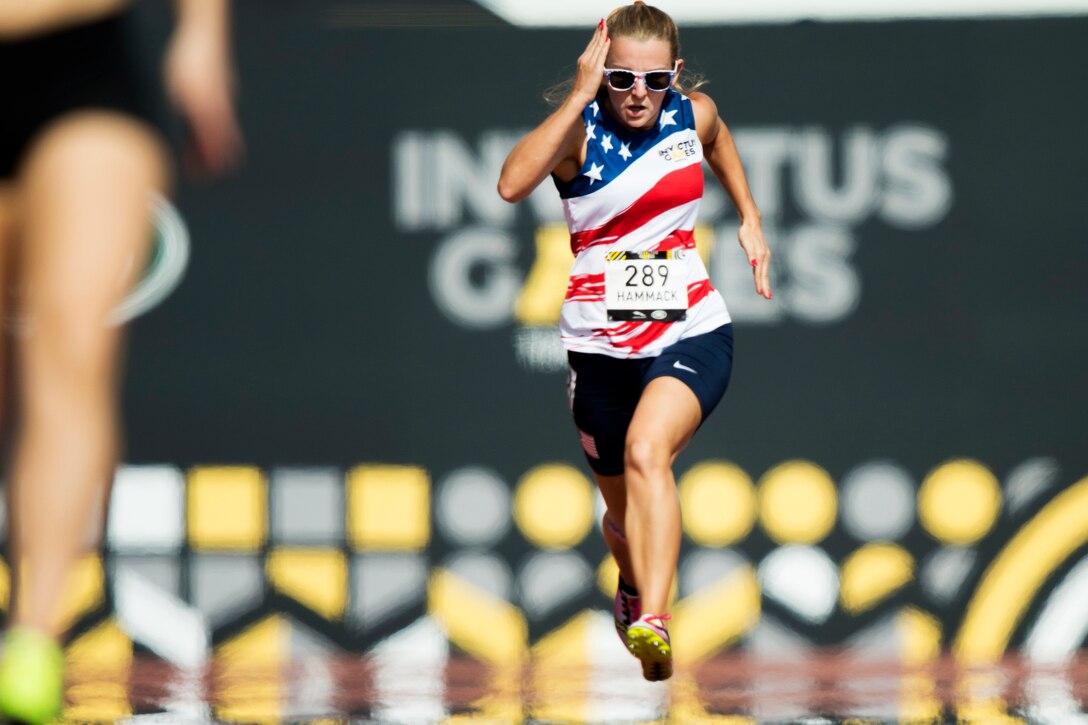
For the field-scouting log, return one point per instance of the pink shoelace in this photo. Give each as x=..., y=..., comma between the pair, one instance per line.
x=660, y=619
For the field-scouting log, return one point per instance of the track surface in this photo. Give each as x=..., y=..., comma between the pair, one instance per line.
x=823, y=688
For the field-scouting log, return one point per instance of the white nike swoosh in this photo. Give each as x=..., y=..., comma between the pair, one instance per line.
x=679, y=366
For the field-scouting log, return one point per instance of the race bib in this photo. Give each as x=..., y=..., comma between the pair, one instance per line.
x=646, y=285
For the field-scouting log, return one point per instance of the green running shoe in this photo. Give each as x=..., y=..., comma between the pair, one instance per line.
x=31, y=677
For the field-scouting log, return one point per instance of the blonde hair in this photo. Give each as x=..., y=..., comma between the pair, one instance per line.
x=639, y=21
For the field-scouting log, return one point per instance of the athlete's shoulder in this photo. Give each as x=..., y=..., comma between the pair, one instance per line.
x=706, y=114
x=702, y=104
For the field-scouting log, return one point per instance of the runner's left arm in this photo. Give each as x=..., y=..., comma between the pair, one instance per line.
x=721, y=154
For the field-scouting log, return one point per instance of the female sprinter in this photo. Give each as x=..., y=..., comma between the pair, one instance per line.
x=649, y=340
x=80, y=161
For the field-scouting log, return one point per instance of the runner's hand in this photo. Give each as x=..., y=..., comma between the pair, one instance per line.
x=200, y=80
x=591, y=65
x=759, y=256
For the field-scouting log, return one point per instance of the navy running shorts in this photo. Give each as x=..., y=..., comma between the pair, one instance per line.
x=604, y=391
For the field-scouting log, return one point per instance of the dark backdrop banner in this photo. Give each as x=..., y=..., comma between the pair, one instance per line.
x=351, y=293
x=911, y=402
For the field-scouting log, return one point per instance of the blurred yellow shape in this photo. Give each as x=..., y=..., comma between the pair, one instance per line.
x=608, y=576
x=317, y=578
x=227, y=508
x=389, y=507
x=918, y=701
x=920, y=635
x=248, y=666
x=872, y=573
x=542, y=294
x=85, y=590
x=959, y=502
x=1013, y=580
x=719, y=503
x=98, y=664
x=797, y=503
x=553, y=506
x=262, y=646
x=713, y=617
x=97, y=702
x=561, y=664
x=106, y=648
x=704, y=242
x=488, y=628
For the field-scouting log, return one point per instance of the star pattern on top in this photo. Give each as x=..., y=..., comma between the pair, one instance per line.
x=594, y=173
x=606, y=143
x=667, y=118
x=591, y=130
x=625, y=152
x=596, y=108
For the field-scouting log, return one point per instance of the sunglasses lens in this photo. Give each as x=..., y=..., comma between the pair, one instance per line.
x=658, y=81
x=621, y=80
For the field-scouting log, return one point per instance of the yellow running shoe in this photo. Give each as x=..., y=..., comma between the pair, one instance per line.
x=31, y=677
x=648, y=639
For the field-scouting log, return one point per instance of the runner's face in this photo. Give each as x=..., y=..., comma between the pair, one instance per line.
x=637, y=107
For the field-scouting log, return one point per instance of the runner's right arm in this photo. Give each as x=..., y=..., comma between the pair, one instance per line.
x=556, y=144
x=550, y=145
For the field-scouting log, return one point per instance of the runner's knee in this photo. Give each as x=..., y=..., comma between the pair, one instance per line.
x=645, y=457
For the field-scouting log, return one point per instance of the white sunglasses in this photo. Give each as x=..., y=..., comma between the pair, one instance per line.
x=654, y=80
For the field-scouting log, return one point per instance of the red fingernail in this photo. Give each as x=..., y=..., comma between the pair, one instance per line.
x=600, y=25
x=754, y=262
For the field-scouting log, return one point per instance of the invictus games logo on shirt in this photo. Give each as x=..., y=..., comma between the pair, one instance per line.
x=815, y=188
x=679, y=151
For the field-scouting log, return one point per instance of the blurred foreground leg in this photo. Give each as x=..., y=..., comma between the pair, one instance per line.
x=84, y=226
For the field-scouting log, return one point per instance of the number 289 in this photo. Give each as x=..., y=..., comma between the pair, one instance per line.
x=646, y=276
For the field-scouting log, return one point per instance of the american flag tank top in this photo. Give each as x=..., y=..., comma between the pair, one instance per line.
x=631, y=213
